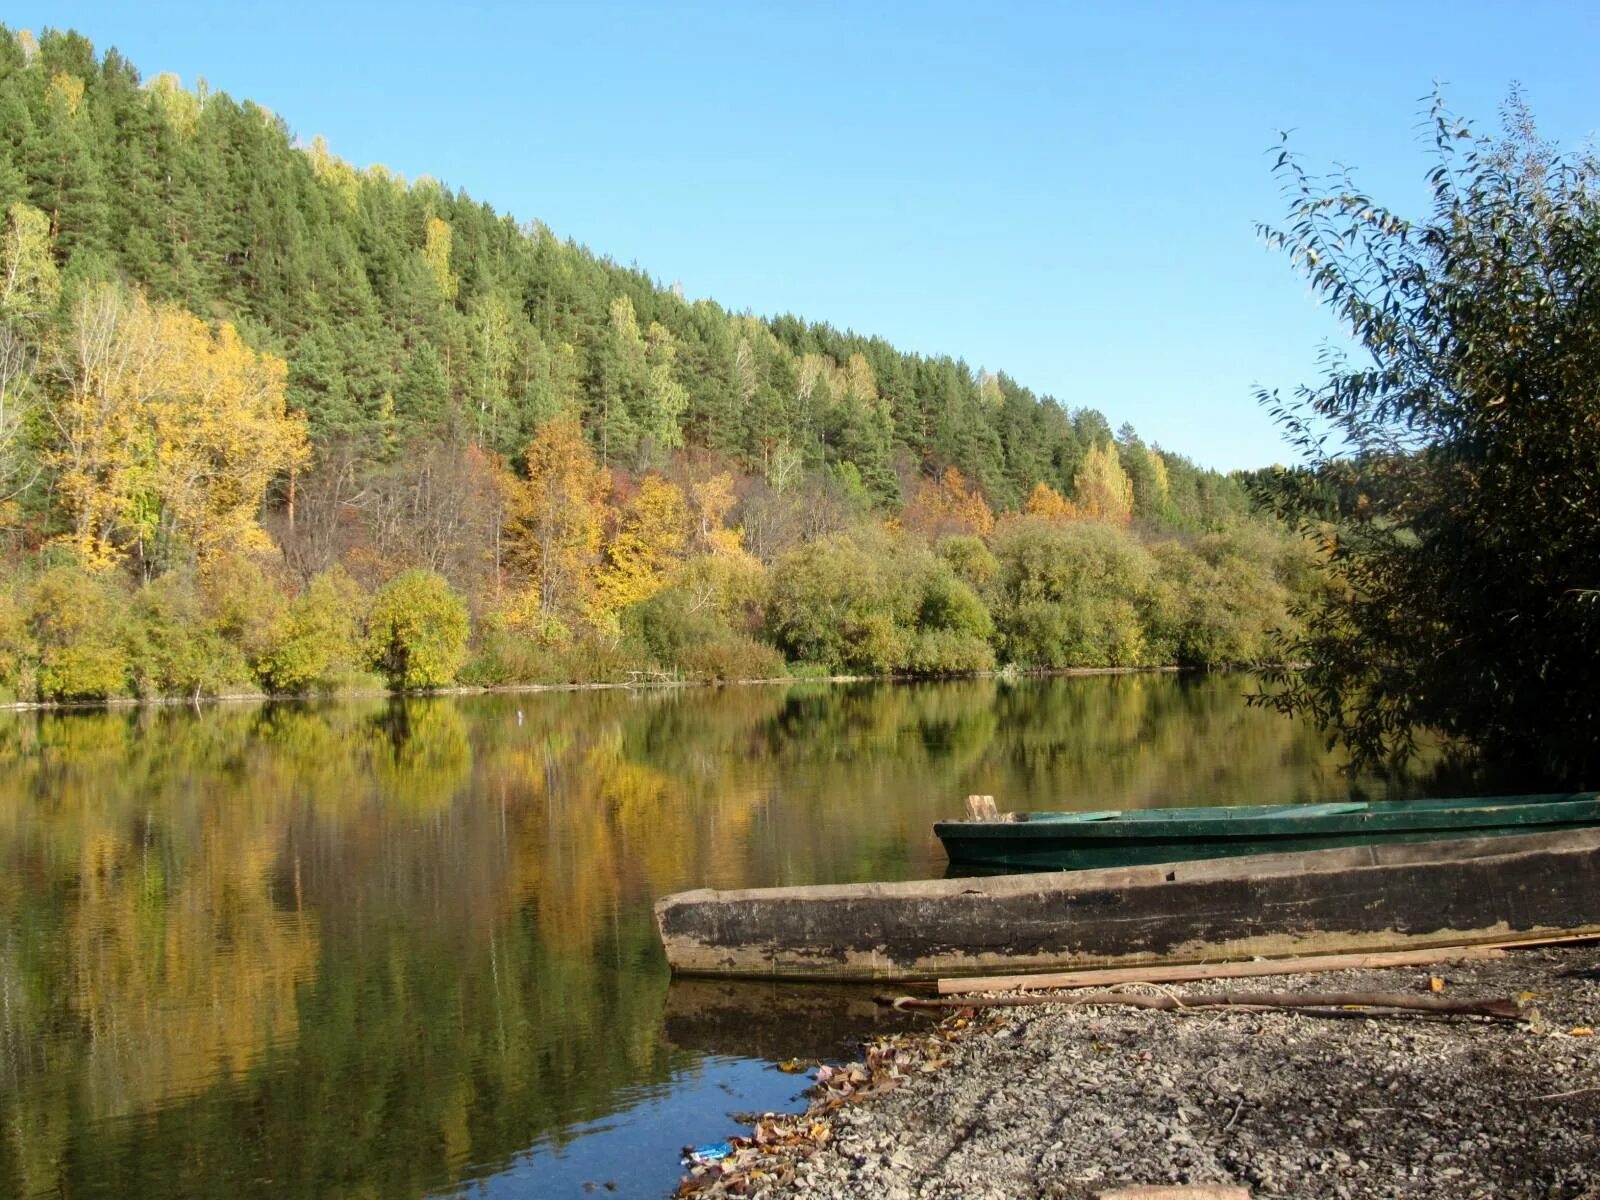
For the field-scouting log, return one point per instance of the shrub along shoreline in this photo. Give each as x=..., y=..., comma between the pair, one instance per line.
x=873, y=601
x=652, y=684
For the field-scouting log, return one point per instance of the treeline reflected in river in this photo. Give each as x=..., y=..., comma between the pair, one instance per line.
x=391, y=948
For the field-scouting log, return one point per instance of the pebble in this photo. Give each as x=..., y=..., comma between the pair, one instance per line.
x=1058, y=1103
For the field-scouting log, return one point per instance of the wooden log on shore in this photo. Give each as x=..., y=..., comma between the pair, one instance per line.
x=1307, y=965
x=1193, y=972
x=1389, y=1002
x=1367, y=899
x=1186, y=1191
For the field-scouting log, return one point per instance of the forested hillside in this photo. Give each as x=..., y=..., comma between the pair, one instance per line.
x=261, y=410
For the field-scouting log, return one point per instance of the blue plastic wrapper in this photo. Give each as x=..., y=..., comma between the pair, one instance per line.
x=711, y=1152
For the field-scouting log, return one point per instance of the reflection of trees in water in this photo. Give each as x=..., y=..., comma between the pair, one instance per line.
x=146, y=966
x=175, y=963
x=477, y=986
x=1138, y=741
x=372, y=947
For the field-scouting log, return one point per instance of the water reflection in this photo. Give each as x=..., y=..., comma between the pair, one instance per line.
x=381, y=948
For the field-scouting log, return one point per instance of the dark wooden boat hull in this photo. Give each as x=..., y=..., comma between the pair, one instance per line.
x=1366, y=898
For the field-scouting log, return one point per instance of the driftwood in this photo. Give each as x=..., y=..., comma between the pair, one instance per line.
x=1190, y=1191
x=1190, y=972
x=1304, y=965
x=1319, y=1003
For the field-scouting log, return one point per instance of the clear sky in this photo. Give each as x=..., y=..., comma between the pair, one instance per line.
x=1064, y=192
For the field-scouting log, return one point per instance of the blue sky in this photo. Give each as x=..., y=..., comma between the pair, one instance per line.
x=1063, y=192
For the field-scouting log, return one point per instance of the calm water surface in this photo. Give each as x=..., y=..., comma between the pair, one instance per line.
x=404, y=948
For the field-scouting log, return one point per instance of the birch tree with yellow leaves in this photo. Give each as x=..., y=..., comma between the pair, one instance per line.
x=652, y=535
x=1102, y=490
x=554, y=516
x=167, y=434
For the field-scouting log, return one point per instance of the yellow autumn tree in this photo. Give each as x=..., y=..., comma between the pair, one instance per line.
x=1044, y=501
x=167, y=433
x=949, y=506
x=720, y=575
x=223, y=434
x=29, y=282
x=1103, y=491
x=1160, y=484
x=712, y=500
x=859, y=379
x=436, y=253
x=339, y=175
x=177, y=104
x=651, y=538
x=554, y=516
x=66, y=90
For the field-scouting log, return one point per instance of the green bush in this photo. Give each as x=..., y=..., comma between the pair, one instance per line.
x=174, y=650
x=1074, y=632
x=76, y=620
x=948, y=652
x=507, y=656
x=946, y=603
x=242, y=603
x=17, y=651
x=417, y=631
x=953, y=628
x=676, y=631
x=833, y=602
x=732, y=657
x=1218, y=602
x=595, y=660
x=878, y=604
x=662, y=628
x=316, y=644
x=971, y=560
x=1071, y=595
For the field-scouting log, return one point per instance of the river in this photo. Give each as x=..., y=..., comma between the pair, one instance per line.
x=404, y=948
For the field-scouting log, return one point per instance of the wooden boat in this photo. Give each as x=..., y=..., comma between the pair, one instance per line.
x=1358, y=899
x=1044, y=841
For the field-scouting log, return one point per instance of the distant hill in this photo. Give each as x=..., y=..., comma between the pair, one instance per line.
x=406, y=311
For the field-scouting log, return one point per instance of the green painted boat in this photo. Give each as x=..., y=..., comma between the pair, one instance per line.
x=1070, y=841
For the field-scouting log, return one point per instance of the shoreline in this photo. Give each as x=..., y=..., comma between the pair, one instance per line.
x=595, y=686
x=1058, y=1103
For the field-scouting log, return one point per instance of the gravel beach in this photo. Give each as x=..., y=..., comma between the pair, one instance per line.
x=1062, y=1102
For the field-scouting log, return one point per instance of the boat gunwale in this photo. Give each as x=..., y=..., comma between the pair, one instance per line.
x=1240, y=823
x=1377, y=855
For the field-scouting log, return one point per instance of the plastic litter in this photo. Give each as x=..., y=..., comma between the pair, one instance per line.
x=699, y=1156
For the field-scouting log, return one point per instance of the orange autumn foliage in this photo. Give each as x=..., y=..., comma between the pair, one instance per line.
x=1044, y=501
x=949, y=506
x=554, y=517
